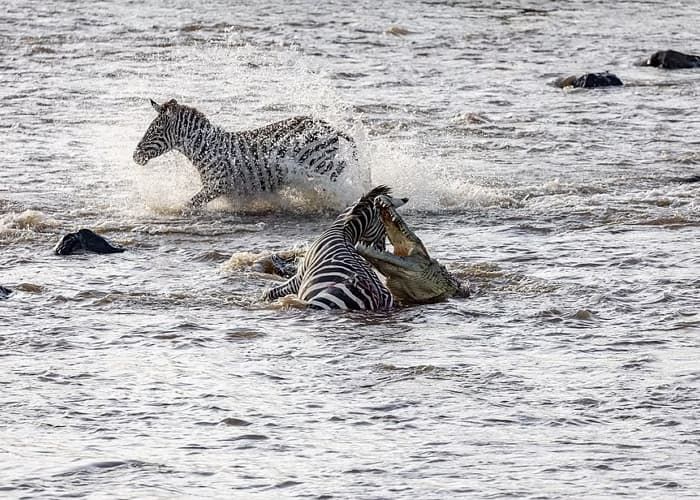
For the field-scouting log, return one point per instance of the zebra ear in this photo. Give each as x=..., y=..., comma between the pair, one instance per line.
x=156, y=106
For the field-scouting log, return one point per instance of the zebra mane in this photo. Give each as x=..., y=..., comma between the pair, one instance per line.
x=173, y=106
x=367, y=200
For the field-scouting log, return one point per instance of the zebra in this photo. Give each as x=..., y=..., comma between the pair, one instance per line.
x=245, y=162
x=333, y=275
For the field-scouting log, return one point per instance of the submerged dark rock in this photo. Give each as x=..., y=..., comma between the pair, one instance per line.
x=4, y=292
x=590, y=81
x=692, y=178
x=85, y=240
x=671, y=59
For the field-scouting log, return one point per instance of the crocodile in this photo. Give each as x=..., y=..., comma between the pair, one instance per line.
x=412, y=276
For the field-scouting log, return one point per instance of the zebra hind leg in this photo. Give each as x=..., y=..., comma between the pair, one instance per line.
x=331, y=167
x=338, y=166
x=287, y=288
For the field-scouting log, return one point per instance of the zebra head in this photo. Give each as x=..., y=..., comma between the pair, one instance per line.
x=158, y=138
x=366, y=212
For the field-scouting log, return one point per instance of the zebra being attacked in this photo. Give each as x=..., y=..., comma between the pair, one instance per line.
x=245, y=162
x=333, y=275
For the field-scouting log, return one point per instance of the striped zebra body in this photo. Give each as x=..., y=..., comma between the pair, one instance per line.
x=333, y=275
x=245, y=162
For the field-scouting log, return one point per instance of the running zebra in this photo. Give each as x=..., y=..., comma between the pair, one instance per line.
x=333, y=275
x=244, y=162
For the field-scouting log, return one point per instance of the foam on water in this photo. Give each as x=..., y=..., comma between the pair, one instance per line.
x=28, y=220
x=430, y=185
x=255, y=261
x=164, y=185
x=243, y=260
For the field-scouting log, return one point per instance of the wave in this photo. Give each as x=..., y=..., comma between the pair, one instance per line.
x=258, y=261
x=12, y=223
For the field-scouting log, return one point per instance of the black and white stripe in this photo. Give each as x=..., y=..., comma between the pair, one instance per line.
x=333, y=275
x=244, y=162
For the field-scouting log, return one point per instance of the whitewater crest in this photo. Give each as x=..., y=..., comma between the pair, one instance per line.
x=28, y=220
x=259, y=261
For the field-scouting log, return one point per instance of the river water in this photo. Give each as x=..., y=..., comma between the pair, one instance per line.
x=574, y=370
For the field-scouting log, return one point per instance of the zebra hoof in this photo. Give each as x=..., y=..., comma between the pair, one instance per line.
x=190, y=209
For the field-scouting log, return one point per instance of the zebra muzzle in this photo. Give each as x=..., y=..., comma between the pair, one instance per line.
x=140, y=157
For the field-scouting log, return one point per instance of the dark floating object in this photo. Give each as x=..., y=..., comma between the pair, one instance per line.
x=590, y=81
x=85, y=240
x=692, y=178
x=4, y=292
x=671, y=59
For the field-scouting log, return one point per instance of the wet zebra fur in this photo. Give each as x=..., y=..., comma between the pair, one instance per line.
x=333, y=275
x=245, y=162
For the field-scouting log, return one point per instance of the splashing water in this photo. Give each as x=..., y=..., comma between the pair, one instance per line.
x=159, y=373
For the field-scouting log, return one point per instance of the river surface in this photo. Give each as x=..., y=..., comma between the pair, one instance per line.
x=573, y=371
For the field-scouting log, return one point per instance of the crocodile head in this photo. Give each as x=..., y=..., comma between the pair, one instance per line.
x=412, y=276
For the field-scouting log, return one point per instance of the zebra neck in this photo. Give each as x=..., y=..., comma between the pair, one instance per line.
x=352, y=231
x=200, y=141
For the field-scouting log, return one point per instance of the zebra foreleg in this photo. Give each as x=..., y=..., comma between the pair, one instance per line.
x=203, y=197
x=287, y=288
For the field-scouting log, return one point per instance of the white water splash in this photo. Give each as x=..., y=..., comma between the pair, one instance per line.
x=28, y=220
x=254, y=88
